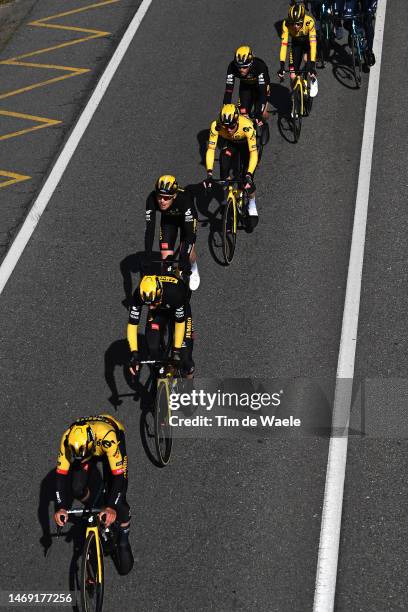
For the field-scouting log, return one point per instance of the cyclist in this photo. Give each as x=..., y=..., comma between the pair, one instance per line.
x=168, y=299
x=86, y=441
x=301, y=27
x=238, y=147
x=346, y=9
x=177, y=211
x=253, y=75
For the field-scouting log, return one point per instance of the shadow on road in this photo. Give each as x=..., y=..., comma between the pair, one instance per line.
x=142, y=388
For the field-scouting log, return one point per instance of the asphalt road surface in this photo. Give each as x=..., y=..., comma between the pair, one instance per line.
x=231, y=523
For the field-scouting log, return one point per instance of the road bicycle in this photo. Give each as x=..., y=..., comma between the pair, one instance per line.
x=301, y=101
x=167, y=374
x=99, y=540
x=234, y=215
x=358, y=45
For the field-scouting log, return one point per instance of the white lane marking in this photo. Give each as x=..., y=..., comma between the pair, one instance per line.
x=41, y=202
x=325, y=587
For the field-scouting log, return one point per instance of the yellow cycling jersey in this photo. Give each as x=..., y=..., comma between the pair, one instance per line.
x=307, y=31
x=106, y=429
x=245, y=131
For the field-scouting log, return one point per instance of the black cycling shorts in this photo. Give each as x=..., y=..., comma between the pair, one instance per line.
x=157, y=337
x=169, y=228
x=87, y=476
x=234, y=157
x=249, y=98
x=297, y=51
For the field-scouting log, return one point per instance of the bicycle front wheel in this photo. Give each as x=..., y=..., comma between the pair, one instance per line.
x=356, y=61
x=296, y=112
x=92, y=576
x=162, y=428
x=229, y=231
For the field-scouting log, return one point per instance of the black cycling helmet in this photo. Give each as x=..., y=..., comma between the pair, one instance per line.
x=296, y=13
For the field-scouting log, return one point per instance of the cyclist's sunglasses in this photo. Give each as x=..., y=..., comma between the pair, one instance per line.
x=297, y=23
x=165, y=197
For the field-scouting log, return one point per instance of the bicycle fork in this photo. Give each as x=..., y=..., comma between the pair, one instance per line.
x=232, y=197
x=95, y=531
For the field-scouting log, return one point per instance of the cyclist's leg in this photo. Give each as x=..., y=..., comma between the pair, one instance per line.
x=252, y=218
x=81, y=489
x=155, y=326
x=245, y=98
x=188, y=246
x=168, y=236
x=296, y=56
x=123, y=515
x=293, y=55
x=257, y=109
x=227, y=156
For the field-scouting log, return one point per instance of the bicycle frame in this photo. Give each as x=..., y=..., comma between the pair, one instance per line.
x=233, y=195
x=299, y=83
x=357, y=37
x=357, y=51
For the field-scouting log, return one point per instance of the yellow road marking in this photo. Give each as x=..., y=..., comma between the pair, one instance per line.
x=14, y=178
x=41, y=23
x=43, y=121
x=69, y=72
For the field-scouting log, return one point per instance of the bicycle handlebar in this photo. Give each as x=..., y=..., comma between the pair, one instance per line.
x=293, y=71
x=238, y=182
x=172, y=362
x=84, y=511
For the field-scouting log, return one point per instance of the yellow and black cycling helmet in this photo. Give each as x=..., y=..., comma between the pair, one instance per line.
x=166, y=185
x=150, y=289
x=296, y=13
x=244, y=57
x=81, y=441
x=229, y=115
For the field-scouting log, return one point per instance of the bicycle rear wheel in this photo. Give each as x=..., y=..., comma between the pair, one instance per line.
x=162, y=428
x=229, y=231
x=296, y=112
x=92, y=580
x=356, y=61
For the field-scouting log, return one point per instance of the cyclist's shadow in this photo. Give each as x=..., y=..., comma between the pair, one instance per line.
x=342, y=65
x=209, y=218
x=142, y=388
x=203, y=199
x=117, y=355
x=135, y=264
